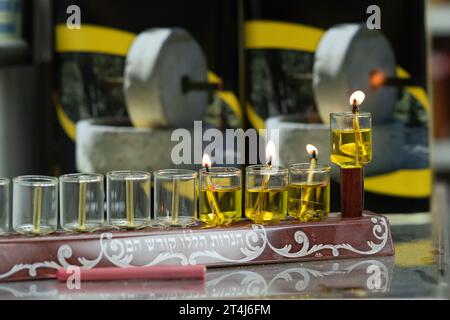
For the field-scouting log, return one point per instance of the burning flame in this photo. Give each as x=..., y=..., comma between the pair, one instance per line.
x=270, y=151
x=312, y=150
x=206, y=161
x=357, y=98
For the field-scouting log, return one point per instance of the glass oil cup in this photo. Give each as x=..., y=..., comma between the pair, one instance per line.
x=35, y=205
x=220, y=196
x=4, y=206
x=309, y=192
x=175, y=197
x=128, y=199
x=266, y=194
x=351, y=139
x=81, y=202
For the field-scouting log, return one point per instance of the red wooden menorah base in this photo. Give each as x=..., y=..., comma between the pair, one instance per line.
x=23, y=258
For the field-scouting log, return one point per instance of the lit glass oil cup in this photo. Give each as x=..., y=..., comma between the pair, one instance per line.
x=128, y=199
x=266, y=194
x=175, y=197
x=309, y=192
x=351, y=139
x=81, y=202
x=4, y=206
x=220, y=196
x=35, y=205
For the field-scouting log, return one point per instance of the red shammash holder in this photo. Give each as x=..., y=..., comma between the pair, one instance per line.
x=352, y=192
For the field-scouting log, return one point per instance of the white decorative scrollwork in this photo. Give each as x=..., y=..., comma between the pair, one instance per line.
x=380, y=231
x=32, y=268
x=252, y=250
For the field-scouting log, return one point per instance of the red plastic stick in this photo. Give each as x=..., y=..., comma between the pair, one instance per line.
x=137, y=273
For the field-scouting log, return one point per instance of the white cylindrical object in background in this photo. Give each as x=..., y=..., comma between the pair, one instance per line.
x=156, y=64
x=343, y=62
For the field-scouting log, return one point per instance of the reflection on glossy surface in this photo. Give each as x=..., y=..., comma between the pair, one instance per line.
x=310, y=278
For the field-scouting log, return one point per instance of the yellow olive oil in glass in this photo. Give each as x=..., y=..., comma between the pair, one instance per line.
x=351, y=148
x=266, y=205
x=309, y=202
x=229, y=202
x=220, y=196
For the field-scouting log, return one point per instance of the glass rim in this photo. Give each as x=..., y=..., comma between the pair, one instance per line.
x=345, y=114
x=264, y=169
x=36, y=180
x=81, y=177
x=128, y=175
x=176, y=173
x=221, y=171
x=4, y=181
x=305, y=167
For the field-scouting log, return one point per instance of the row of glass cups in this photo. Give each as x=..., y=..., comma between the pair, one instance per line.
x=35, y=198
x=302, y=191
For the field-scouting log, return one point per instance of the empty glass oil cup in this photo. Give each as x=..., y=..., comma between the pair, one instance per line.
x=35, y=205
x=175, y=198
x=266, y=194
x=4, y=206
x=220, y=196
x=351, y=139
x=309, y=192
x=128, y=199
x=81, y=202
